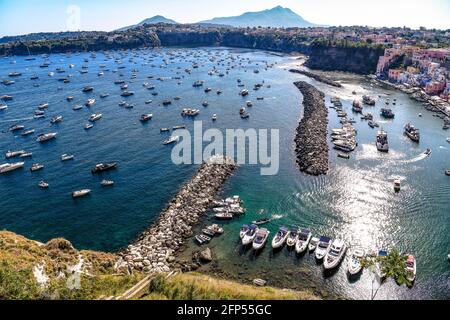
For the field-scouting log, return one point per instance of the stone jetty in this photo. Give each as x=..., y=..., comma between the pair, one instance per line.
x=311, y=136
x=317, y=77
x=154, y=250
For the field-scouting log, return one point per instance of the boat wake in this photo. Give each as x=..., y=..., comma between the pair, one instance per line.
x=15, y=120
x=277, y=216
x=420, y=157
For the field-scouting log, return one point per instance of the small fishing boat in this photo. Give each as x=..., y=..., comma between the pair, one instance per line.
x=164, y=130
x=397, y=185
x=202, y=239
x=104, y=95
x=107, y=183
x=87, y=126
x=260, y=238
x=411, y=268
x=216, y=228
x=95, y=117
x=214, y=117
x=146, y=117
x=335, y=254
x=223, y=216
x=303, y=241
x=43, y=185
x=81, y=193
x=89, y=102
x=3, y=106
x=26, y=155
x=87, y=89
x=205, y=103
x=56, y=119
x=280, y=238
x=12, y=154
x=172, y=139
x=354, y=264
x=343, y=155
x=77, y=107
x=261, y=221
x=250, y=235
x=28, y=132
x=322, y=247
x=16, y=127
x=208, y=232
x=66, y=157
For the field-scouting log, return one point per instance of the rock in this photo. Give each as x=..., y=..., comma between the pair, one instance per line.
x=206, y=255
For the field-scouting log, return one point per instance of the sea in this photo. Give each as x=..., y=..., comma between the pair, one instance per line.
x=355, y=201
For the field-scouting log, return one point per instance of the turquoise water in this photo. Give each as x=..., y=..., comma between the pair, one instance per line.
x=355, y=201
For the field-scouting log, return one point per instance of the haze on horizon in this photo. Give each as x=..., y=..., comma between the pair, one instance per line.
x=26, y=16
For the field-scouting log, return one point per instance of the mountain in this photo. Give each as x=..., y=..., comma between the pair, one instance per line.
x=276, y=17
x=152, y=20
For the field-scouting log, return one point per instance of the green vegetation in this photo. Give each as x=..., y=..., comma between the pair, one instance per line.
x=195, y=286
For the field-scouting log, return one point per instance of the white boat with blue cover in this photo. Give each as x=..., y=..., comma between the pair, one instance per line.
x=322, y=247
x=303, y=241
x=280, y=238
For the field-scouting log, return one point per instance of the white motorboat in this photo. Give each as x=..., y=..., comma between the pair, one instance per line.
x=95, y=117
x=214, y=117
x=12, y=154
x=3, y=106
x=107, y=183
x=260, y=239
x=322, y=248
x=77, y=107
x=46, y=136
x=27, y=132
x=26, y=155
x=216, y=228
x=250, y=235
x=36, y=167
x=66, y=157
x=172, y=139
x=335, y=254
x=89, y=102
x=7, y=167
x=280, y=238
x=56, y=119
x=292, y=237
x=146, y=117
x=303, y=241
x=43, y=185
x=411, y=268
x=354, y=264
x=382, y=141
x=81, y=193
x=243, y=230
x=224, y=216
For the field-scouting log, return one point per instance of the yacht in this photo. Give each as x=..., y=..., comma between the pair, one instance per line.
x=81, y=193
x=77, y=107
x=410, y=268
x=26, y=155
x=104, y=95
x=322, y=248
x=260, y=238
x=16, y=127
x=244, y=92
x=292, y=237
x=28, y=132
x=103, y=167
x=107, y=183
x=313, y=244
x=95, y=117
x=172, y=139
x=303, y=241
x=89, y=102
x=12, y=154
x=66, y=157
x=56, y=119
x=127, y=93
x=179, y=127
x=43, y=185
x=250, y=235
x=354, y=264
x=46, y=137
x=382, y=141
x=7, y=167
x=87, y=126
x=3, y=106
x=148, y=101
x=412, y=132
x=280, y=238
x=335, y=255
x=43, y=106
x=368, y=100
x=243, y=230
x=146, y=117
x=36, y=167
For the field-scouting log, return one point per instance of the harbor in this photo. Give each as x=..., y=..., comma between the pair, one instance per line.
x=355, y=201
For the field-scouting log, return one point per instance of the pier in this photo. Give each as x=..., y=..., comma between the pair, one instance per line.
x=317, y=77
x=311, y=136
x=154, y=250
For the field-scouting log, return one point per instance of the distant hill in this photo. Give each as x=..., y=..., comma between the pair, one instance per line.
x=275, y=17
x=152, y=20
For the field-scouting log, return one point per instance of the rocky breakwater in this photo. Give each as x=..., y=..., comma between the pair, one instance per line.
x=317, y=77
x=311, y=136
x=154, y=251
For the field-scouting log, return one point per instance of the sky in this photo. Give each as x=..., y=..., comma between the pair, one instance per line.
x=26, y=16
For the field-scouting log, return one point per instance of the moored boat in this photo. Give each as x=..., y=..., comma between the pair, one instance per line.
x=313, y=244
x=250, y=235
x=292, y=237
x=354, y=264
x=101, y=167
x=46, y=136
x=7, y=167
x=322, y=248
x=303, y=240
x=260, y=238
x=81, y=193
x=411, y=268
x=335, y=254
x=280, y=238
